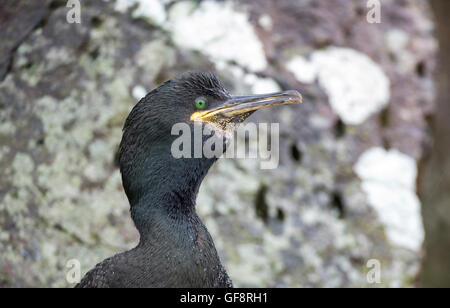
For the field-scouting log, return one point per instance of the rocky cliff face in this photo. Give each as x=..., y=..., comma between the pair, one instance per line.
x=344, y=192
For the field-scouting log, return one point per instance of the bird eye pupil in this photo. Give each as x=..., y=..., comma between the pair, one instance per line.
x=200, y=103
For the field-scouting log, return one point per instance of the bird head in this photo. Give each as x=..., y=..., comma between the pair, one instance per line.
x=198, y=97
x=192, y=98
x=214, y=105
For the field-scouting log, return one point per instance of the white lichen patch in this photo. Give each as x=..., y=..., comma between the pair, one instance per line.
x=261, y=85
x=4, y=150
x=77, y=156
x=356, y=86
x=388, y=179
x=304, y=70
x=22, y=167
x=397, y=42
x=138, y=92
x=255, y=272
x=246, y=83
x=150, y=9
x=266, y=22
x=57, y=57
x=218, y=30
x=7, y=128
x=158, y=54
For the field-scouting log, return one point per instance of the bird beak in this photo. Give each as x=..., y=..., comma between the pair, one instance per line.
x=243, y=106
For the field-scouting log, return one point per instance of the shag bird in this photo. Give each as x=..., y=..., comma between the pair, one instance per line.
x=175, y=248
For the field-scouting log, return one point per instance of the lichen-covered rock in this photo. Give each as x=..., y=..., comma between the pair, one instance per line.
x=67, y=88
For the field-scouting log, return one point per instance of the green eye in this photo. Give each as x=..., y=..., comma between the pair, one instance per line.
x=200, y=103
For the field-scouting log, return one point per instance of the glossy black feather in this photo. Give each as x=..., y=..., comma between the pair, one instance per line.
x=175, y=248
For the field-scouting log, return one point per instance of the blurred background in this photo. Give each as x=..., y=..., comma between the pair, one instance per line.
x=364, y=176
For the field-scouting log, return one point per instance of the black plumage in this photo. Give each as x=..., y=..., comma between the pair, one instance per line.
x=175, y=248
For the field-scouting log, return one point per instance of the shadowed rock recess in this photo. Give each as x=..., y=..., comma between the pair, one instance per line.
x=66, y=89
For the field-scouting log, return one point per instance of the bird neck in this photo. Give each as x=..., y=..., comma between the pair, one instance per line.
x=162, y=191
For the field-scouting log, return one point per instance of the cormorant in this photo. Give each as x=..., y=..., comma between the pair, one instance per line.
x=175, y=248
